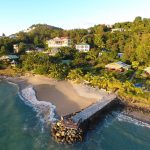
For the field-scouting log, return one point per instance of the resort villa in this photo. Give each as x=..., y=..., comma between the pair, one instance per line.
x=83, y=47
x=118, y=66
x=59, y=42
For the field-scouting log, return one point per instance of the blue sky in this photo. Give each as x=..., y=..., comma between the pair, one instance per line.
x=16, y=15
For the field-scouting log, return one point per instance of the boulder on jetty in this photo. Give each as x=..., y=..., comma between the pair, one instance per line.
x=66, y=131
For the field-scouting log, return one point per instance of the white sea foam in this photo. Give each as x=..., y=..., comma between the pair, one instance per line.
x=29, y=97
x=123, y=117
x=12, y=83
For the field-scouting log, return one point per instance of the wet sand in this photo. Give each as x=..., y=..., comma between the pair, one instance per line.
x=62, y=94
x=144, y=117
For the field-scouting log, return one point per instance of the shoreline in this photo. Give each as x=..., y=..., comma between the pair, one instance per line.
x=42, y=107
x=45, y=110
x=67, y=96
x=137, y=113
x=72, y=100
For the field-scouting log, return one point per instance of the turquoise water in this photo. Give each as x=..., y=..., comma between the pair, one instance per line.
x=21, y=129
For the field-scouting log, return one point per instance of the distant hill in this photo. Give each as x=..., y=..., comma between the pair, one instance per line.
x=41, y=27
x=45, y=26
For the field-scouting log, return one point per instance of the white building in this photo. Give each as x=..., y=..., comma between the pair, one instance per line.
x=16, y=48
x=83, y=47
x=118, y=29
x=59, y=42
x=13, y=36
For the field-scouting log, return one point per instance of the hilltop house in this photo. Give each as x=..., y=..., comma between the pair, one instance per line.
x=118, y=66
x=59, y=42
x=13, y=36
x=83, y=47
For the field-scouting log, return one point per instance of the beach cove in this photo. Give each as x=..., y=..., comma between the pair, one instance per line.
x=66, y=96
x=26, y=129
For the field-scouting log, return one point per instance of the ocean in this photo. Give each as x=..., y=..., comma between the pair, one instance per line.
x=21, y=128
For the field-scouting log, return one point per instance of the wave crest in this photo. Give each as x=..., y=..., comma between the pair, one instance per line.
x=123, y=117
x=29, y=97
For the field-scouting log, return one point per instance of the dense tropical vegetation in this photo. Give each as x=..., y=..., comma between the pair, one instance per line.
x=133, y=42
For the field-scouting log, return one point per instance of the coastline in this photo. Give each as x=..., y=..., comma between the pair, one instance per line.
x=68, y=98
x=45, y=110
x=132, y=111
x=137, y=113
x=62, y=94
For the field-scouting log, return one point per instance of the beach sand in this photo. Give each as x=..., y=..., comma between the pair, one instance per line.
x=66, y=96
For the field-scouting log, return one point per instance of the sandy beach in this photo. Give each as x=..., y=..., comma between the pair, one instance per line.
x=66, y=96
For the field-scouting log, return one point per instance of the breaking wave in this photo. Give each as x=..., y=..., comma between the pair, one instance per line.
x=123, y=117
x=41, y=107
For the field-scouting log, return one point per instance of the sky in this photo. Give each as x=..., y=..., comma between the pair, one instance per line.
x=16, y=15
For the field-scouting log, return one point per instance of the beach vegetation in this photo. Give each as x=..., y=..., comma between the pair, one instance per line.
x=58, y=71
x=131, y=39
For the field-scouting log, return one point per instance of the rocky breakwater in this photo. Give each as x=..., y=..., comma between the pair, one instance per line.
x=66, y=131
x=71, y=128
